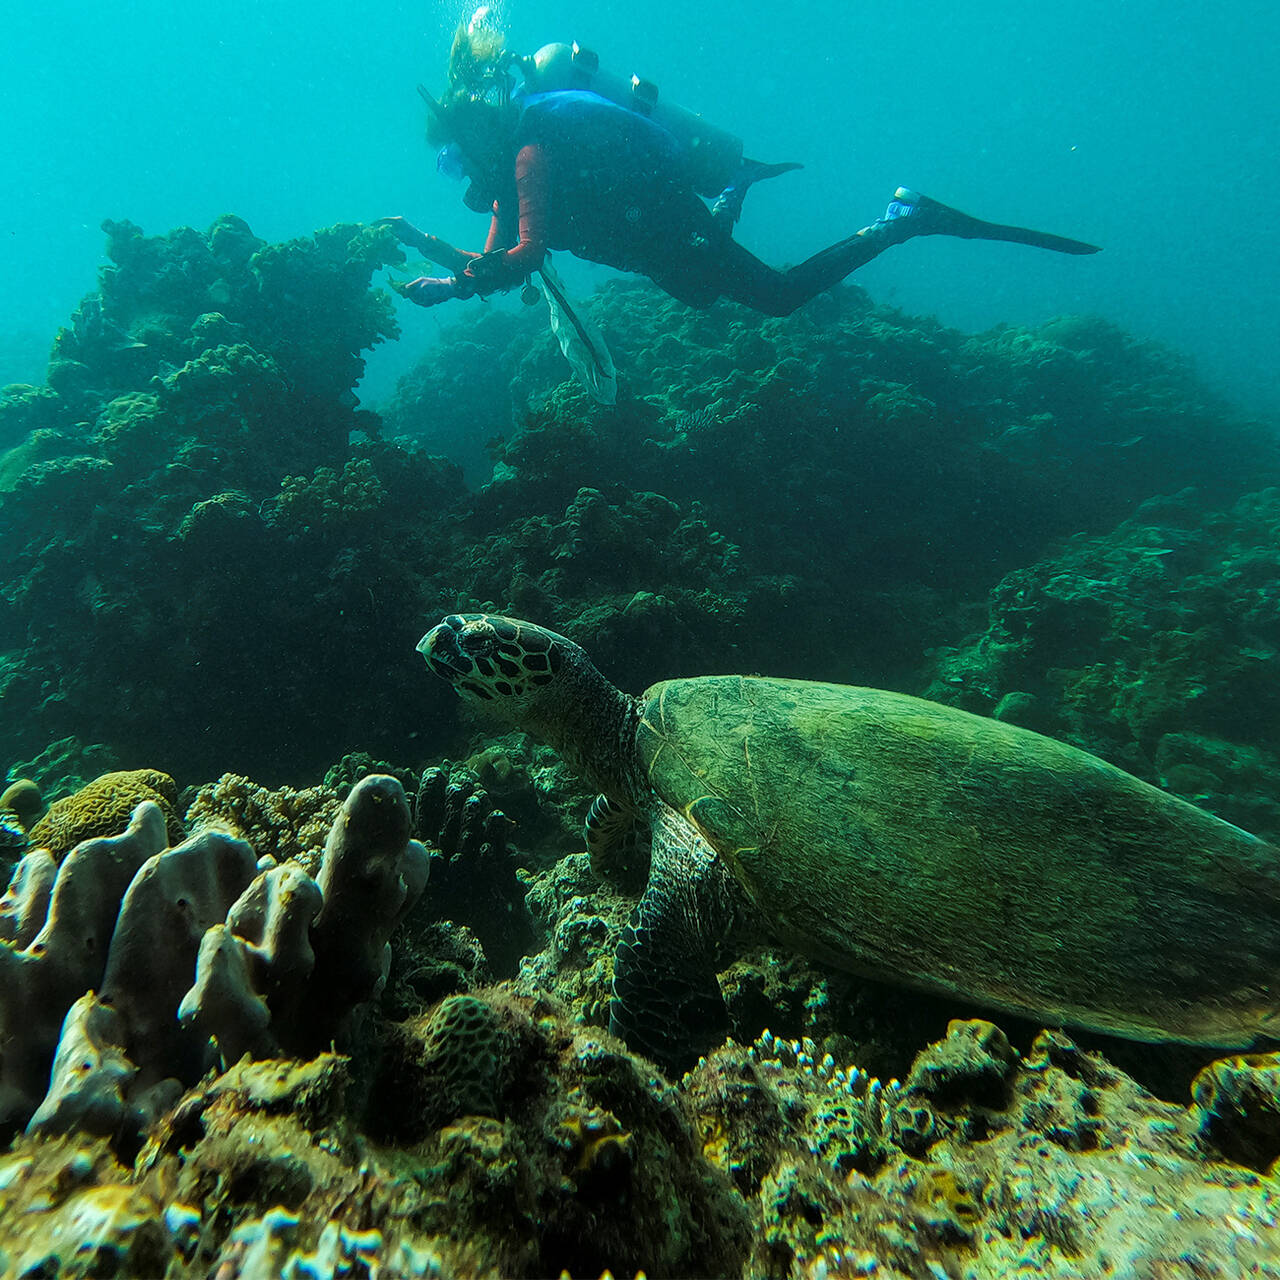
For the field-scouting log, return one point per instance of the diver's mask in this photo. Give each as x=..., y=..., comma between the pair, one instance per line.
x=451, y=163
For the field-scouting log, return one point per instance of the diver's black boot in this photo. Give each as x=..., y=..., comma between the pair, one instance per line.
x=910, y=214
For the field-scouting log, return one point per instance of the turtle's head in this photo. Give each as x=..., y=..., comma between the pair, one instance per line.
x=500, y=663
x=542, y=683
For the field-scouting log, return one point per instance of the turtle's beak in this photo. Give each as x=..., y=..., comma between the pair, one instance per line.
x=444, y=656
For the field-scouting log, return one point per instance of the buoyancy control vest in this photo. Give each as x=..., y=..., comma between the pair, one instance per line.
x=711, y=156
x=616, y=177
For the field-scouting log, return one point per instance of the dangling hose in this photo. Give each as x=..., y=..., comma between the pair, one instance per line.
x=582, y=343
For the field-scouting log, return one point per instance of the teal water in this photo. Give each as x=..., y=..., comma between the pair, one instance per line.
x=1146, y=127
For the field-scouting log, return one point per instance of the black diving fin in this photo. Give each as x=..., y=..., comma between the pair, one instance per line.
x=928, y=217
x=728, y=206
x=752, y=171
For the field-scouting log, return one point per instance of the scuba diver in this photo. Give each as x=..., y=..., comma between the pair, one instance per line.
x=580, y=160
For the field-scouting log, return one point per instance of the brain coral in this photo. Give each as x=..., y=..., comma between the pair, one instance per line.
x=467, y=1049
x=103, y=808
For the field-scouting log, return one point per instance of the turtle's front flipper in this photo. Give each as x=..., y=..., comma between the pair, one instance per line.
x=617, y=844
x=666, y=1000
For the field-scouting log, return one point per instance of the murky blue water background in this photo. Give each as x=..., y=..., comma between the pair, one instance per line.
x=1146, y=127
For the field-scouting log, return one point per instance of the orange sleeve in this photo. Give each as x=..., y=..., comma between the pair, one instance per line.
x=494, y=239
x=532, y=188
x=532, y=191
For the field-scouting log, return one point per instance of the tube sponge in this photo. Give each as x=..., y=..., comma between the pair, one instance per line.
x=371, y=875
x=67, y=956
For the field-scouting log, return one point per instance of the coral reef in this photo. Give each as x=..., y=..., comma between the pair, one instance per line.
x=983, y=1162
x=276, y=1245
x=1238, y=1101
x=287, y=824
x=589, y=1163
x=509, y=1143
x=1152, y=645
x=475, y=875
x=182, y=398
x=215, y=560
x=495, y=1131
x=65, y=766
x=582, y=926
x=832, y=495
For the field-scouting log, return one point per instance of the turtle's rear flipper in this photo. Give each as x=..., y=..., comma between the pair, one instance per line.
x=666, y=1000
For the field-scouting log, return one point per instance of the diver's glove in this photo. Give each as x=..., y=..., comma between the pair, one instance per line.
x=428, y=291
x=405, y=232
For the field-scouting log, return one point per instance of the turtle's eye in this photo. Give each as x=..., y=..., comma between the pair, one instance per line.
x=477, y=637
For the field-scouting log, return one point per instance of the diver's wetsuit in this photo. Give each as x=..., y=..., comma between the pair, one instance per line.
x=610, y=185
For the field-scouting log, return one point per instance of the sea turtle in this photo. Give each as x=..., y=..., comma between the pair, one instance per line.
x=895, y=837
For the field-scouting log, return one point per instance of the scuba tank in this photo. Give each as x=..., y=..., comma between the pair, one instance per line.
x=714, y=154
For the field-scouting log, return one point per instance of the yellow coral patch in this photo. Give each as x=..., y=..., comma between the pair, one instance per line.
x=103, y=808
x=715, y=1136
x=24, y=801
